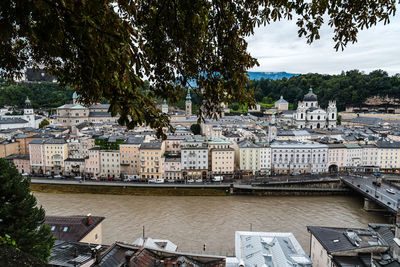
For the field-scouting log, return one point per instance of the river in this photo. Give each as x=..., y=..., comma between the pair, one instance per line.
x=191, y=222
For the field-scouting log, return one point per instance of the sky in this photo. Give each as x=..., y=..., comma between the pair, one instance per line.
x=278, y=48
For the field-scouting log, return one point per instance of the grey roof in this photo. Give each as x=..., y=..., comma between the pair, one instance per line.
x=72, y=228
x=387, y=144
x=68, y=253
x=37, y=142
x=152, y=145
x=4, y=120
x=270, y=249
x=281, y=101
x=247, y=144
x=99, y=114
x=17, y=156
x=346, y=239
x=310, y=96
x=99, y=106
x=385, y=230
x=367, y=120
x=55, y=141
x=133, y=140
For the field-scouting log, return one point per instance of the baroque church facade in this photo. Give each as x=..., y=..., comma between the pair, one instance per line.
x=310, y=115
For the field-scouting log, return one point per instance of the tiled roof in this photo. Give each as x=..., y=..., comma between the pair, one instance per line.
x=151, y=145
x=4, y=120
x=72, y=228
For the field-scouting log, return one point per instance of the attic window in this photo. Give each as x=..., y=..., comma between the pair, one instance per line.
x=53, y=228
x=335, y=240
x=65, y=229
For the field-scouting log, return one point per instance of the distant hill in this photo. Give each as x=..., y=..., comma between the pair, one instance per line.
x=270, y=75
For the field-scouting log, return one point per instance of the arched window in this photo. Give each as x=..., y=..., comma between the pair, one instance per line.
x=319, y=117
x=301, y=115
x=311, y=117
x=333, y=115
x=306, y=104
x=310, y=126
x=312, y=104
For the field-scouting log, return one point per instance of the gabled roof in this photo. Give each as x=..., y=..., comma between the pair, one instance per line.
x=346, y=239
x=72, y=228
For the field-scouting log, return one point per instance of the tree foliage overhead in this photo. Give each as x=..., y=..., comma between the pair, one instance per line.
x=348, y=88
x=20, y=218
x=105, y=49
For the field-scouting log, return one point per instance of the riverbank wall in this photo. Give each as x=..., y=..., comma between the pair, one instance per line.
x=281, y=189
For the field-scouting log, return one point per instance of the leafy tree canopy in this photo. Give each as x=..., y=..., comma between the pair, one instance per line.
x=106, y=49
x=44, y=123
x=21, y=219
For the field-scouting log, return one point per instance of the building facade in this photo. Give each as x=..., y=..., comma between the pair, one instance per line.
x=290, y=157
x=310, y=115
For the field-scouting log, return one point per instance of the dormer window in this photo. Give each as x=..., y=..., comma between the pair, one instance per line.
x=65, y=229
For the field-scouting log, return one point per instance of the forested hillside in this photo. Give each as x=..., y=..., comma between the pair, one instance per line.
x=42, y=95
x=351, y=87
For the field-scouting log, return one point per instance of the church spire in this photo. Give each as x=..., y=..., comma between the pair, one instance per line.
x=188, y=96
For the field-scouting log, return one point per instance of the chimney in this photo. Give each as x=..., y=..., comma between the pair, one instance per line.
x=89, y=219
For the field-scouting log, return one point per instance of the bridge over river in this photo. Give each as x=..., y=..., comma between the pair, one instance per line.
x=386, y=195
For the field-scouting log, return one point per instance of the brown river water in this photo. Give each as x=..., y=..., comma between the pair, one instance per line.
x=191, y=222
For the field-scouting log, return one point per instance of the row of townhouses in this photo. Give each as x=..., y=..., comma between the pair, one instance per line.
x=194, y=156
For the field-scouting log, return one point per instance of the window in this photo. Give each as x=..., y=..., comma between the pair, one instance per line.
x=53, y=228
x=65, y=229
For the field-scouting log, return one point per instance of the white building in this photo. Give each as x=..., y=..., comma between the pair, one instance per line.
x=289, y=157
x=28, y=119
x=310, y=115
x=194, y=158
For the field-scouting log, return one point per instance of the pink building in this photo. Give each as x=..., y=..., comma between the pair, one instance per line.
x=21, y=162
x=36, y=156
x=173, y=143
x=92, y=164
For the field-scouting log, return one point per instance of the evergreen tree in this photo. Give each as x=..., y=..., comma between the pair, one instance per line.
x=20, y=218
x=195, y=128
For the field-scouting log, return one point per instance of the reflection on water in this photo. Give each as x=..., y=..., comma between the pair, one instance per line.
x=191, y=222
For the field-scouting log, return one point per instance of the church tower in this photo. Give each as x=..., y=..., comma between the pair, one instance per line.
x=28, y=113
x=188, y=104
x=164, y=107
x=332, y=114
x=300, y=115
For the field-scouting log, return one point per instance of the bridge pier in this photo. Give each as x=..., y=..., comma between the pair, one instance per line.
x=370, y=205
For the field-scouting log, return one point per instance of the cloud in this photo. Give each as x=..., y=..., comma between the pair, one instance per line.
x=278, y=48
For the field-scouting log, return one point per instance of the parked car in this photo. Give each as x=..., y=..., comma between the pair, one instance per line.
x=58, y=176
x=170, y=181
x=314, y=173
x=218, y=178
x=390, y=191
x=295, y=173
x=159, y=181
x=110, y=178
x=152, y=181
x=190, y=181
x=128, y=179
x=199, y=180
x=78, y=177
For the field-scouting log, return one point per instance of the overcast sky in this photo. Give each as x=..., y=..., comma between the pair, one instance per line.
x=278, y=48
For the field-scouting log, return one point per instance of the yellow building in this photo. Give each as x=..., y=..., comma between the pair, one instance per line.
x=55, y=152
x=222, y=156
x=249, y=156
x=151, y=160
